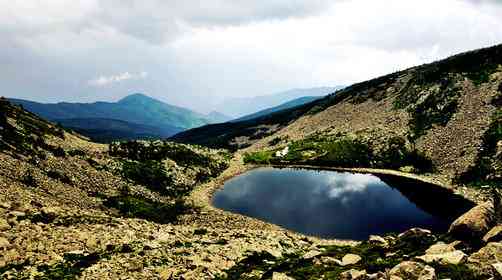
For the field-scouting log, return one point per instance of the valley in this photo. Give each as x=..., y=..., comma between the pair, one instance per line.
x=71, y=208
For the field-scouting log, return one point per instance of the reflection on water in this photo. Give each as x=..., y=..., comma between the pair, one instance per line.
x=337, y=205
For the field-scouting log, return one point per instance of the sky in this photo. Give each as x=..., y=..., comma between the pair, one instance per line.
x=197, y=53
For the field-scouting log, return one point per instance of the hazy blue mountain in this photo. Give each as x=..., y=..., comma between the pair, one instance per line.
x=136, y=108
x=106, y=130
x=287, y=105
x=217, y=117
x=238, y=107
x=133, y=110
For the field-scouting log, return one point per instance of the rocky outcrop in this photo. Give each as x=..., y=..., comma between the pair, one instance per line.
x=474, y=224
x=413, y=271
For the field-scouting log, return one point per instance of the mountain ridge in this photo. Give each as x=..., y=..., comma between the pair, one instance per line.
x=137, y=109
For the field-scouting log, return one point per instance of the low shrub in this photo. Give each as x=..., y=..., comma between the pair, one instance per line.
x=150, y=174
x=58, y=175
x=138, y=207
x=29, y=179
x=261, y=157
x=346, y=152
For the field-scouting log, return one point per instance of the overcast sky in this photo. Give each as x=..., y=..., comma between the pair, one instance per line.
x=194, y=53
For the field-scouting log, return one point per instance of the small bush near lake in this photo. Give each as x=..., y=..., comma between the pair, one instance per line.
x=262, y=157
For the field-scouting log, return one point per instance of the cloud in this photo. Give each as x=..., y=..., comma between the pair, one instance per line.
x=199, y=52
x=102, y=81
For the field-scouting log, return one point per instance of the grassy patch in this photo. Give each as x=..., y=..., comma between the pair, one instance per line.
x=261, y=157
x=457, y=272
x=138, y=207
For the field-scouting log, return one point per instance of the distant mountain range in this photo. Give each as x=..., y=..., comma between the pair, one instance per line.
x=239, y=107
x=287, y=105
x=135, y=116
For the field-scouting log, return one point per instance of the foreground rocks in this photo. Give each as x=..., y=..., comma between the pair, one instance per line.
x=474, y=224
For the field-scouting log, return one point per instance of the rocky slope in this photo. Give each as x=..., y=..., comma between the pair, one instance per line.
x=70, y=208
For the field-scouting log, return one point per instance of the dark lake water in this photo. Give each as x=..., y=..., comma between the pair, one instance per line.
x=333, y=204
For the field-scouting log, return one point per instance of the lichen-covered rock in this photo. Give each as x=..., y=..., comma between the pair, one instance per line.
x=354, y=274
x=281, y=276
x=410, y=270
x=350, y=259
x=498, y=269
x=441, y=248
x=474, y=224
x=4, y=225
x=414, y=233
x=494, y=235
x=490, y=254
x=456, y=257
x=378, y=240
x=4, y=243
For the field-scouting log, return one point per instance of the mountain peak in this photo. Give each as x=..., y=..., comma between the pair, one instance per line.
x=137, y=98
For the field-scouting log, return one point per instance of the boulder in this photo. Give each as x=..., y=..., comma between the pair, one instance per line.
x=350, y=259
x=281, y=276
x=311, y=254
x=498, y=269
x=441, y=248
x=490, y=254
x=475, y=223
x=378, y=240
x=4, y=225
x=414, y=233
x=456, y=257
x=354, y=274
x=4, y=243
x=410, y=270
x=494, y=235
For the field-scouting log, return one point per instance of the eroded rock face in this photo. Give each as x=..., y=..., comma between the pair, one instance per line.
x=413, y=271
x=474, y=224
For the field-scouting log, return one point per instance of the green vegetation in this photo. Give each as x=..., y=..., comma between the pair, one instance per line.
x=449, y=271
x=29, y=179
x=24, y=132
x=169, y=169
x=143, y=208
x=262, y=157
x=345, y=151
x=435, y=109
x=151, y=174
x=70, y=268
x=144, y=163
